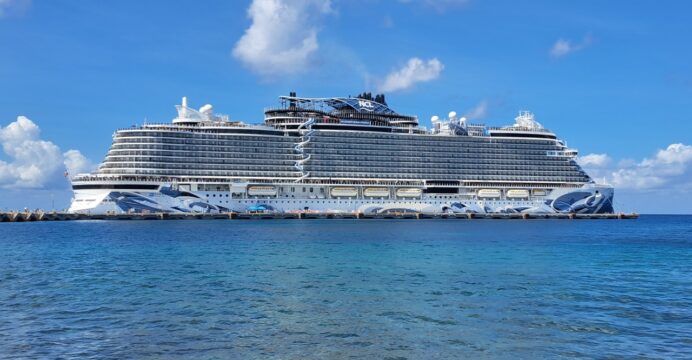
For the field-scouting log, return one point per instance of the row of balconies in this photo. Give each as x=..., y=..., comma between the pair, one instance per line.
x=337, y=137
x=339, y=142
x=346, y=172
x=204, y=139
x=345, y=148
x=341, y=136
x=235, y=149
x=320, y=164
x=323, y=153
x=189, y=155
x=194, y=160
x=430, y=147
x=320, y=138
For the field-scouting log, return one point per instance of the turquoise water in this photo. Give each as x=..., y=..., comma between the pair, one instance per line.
x=394, y=289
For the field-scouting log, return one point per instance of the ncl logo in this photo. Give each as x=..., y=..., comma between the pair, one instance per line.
x=365, y=104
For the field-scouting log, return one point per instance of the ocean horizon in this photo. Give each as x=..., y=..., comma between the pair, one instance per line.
x=392, y=289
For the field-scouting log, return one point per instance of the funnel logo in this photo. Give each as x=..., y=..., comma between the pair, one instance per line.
x=366, y=105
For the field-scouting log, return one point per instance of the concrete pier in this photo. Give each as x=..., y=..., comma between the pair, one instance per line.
x=29, y=216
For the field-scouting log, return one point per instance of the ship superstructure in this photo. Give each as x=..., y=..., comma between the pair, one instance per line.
x=349, y=154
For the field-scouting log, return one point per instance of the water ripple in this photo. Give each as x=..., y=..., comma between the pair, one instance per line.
x=347, y=289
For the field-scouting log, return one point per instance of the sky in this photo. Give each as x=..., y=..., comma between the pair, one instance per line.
x=612, y=78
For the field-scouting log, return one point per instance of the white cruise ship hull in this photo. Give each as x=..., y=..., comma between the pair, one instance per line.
x=589, y=198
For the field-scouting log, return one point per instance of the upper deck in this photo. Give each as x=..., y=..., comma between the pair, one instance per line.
x=347, y=113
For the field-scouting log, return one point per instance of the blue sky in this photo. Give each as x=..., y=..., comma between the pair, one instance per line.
x=611, y=78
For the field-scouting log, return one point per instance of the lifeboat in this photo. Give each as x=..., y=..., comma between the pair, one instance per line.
x=344, y=192
x=489, y=193
x=261, y=191
x=517, y=193
x=539, y=192
x=376, y=192
x=409, y=192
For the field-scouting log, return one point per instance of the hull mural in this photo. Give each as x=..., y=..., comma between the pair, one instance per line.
x=586, y=200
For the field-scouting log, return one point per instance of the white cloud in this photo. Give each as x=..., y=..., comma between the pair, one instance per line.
x=415, y=71
x=34, y=163
x=478, y=112
x=282, y=38
x=594, y=160
x=12, y=7
x=76, y=163
x=670, y=168
x=564, y=47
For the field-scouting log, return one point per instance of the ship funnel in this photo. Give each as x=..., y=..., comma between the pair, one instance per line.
x=184, y=103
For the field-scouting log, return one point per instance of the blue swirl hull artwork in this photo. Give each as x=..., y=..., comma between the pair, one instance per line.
x=589, y=199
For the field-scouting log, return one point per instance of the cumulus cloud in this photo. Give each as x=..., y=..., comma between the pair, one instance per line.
x=13, y=7
x=282, y=38
x=594, y=160
x=415, y=71
x=76, y=163
x=564, y=47
x=669, y=168
x=33, y=162
x=478, y=112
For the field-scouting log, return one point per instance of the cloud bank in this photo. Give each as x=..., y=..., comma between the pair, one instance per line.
x=282, y=38
x=564, y=47
x=34, y=163
x=415, y=71
x=669, y=168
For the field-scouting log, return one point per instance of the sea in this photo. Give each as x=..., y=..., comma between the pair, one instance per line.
x=347, y=289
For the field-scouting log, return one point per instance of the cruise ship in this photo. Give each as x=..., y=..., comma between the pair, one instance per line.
x=342, y=154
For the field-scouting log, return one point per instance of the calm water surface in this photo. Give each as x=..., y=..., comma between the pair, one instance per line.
x=387, y=289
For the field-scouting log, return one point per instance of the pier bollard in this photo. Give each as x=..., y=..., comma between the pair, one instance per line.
x=524, y=216
x=469, y=216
